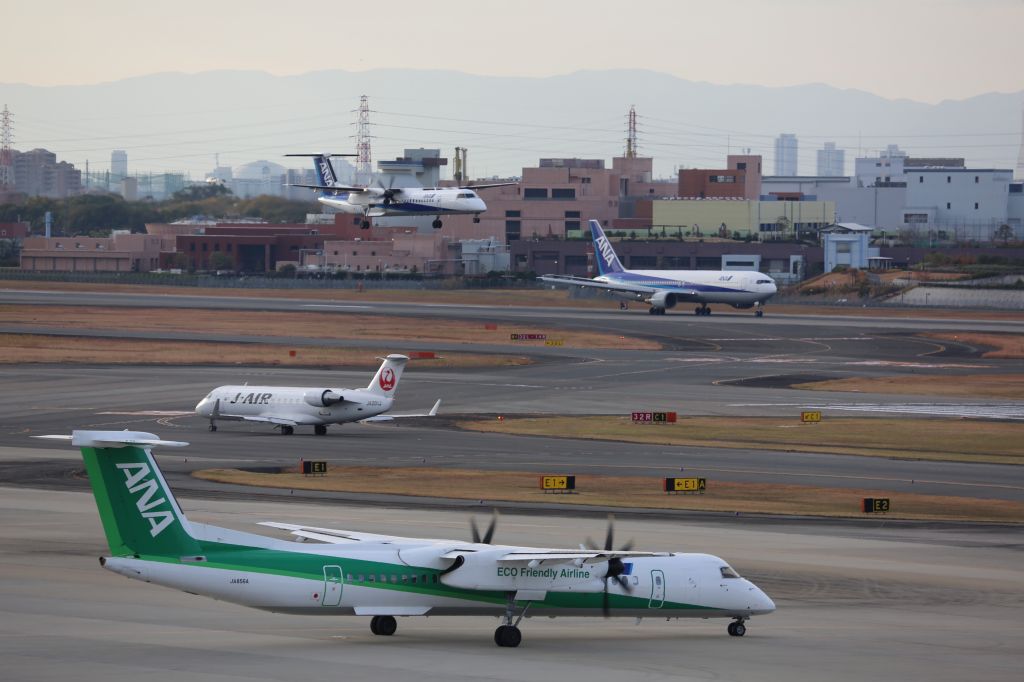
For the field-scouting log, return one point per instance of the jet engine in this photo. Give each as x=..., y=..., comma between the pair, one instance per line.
x=663, y=299
x=322, y=397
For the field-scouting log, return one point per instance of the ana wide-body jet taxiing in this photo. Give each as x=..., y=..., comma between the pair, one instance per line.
x=377, y=202
x=289, y=406
x=664, y=289
x=339, y=572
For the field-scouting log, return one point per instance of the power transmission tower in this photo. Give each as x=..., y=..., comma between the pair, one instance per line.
x=6, y=155
x=364, y=161
x=631, y=134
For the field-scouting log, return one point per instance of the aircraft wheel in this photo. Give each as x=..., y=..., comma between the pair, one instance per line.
x=758, y=313
x=508, y=635
x=383, y=625
x=287, y=430
x=737, y=629
x=364, y=224
x=436, y=224
x=650, y=311
x=476, y=219
x=698, y=311
x=213, y=427
x=320, y=429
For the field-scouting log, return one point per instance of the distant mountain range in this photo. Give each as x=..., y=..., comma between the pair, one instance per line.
x=173, y=121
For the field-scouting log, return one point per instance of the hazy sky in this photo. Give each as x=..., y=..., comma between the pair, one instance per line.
x=926, y=50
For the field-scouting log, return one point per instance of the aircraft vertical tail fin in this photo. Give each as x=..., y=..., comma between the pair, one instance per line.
x=385, y=381
x=607, y=260
x=139, y=514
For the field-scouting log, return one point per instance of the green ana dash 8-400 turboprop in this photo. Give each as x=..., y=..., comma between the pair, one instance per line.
x=337, y=572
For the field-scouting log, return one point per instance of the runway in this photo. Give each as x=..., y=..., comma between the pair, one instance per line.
x=914, y=605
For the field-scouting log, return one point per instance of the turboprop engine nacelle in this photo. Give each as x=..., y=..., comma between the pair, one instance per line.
x=482, y=571
x=322, y=397
x=664, y=299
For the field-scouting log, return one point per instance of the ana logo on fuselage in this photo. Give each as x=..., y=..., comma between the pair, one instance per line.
x=387, y=379
x=136, y=481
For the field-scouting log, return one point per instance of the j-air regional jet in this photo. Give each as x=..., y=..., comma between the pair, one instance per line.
x=664, y=289
x=339, y=572
x=376, y=202
x=288, y=406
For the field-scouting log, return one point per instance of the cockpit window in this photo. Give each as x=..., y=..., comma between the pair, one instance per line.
x=466, y=195
x=727, y=572
x=764, y=281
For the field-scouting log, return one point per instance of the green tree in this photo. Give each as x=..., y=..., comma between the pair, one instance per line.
x=1005, y=233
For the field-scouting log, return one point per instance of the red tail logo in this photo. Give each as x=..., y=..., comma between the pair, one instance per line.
x=387, y=379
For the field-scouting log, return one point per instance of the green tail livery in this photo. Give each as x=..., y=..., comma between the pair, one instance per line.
x=325, y=571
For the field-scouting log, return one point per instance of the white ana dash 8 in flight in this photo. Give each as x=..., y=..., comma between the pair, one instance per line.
x=376, y=202
x=664, y=289
x=340, y=572
x=289, y=406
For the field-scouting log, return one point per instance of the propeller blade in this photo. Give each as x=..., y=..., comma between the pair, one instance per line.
x=609, y=539
x=474, y=529
x=606, y=608
x=490, y=529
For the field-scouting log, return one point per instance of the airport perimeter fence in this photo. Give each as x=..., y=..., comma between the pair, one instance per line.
x=291, y=283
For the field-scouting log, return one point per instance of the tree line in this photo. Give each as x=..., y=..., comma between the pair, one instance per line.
x=97, y=214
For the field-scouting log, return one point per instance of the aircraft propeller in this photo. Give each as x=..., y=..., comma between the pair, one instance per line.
x=390, y=191
x=616, y=567
x=486, y=538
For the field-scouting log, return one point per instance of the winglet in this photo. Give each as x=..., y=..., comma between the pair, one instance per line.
x=433, y=410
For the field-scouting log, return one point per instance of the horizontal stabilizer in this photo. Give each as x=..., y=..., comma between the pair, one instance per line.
x=114, y=439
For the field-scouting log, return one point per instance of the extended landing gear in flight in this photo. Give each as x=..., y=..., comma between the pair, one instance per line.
x=737, y=628
x=320, y=429
x=383, y=625
x=702, y=309
x=508, y=634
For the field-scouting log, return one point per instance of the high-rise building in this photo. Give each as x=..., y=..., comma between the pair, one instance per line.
x=785, y=154
x=118, y=166
x=831, y=161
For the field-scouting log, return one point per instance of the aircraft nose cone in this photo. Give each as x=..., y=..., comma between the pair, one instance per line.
x=762, y=602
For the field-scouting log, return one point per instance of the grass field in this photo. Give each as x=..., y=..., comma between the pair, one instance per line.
x=633, y=492
x=959, y=440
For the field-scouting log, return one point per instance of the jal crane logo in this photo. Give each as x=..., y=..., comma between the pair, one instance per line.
x=387, y=379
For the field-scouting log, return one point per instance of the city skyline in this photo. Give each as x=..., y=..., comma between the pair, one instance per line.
x=921, y=50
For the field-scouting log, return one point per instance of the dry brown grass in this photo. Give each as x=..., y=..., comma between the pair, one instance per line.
x=1004, y=346
x=308, y=324
x=614, y=491
x=27, y=348
x=929, y=439
x=1005, y=386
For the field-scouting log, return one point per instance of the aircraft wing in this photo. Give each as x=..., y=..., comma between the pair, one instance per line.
x=493, y=184
x=334, y=536
x=682, y=293
x=336, y=188
x=390, y=417
x=569, y=280
x=578, y=556
x=281, y=421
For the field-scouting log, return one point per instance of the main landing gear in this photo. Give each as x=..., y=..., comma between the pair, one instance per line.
x=436, y=224
x=702, y=309
x=383, y=625
x=508, y=634
x=320, y=429
x=737, y=628
x=655, y=311
x=287, y=430
x=476, y=218
x=364, y=224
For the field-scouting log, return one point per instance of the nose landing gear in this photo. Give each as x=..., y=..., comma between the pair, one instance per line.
x=737, y=628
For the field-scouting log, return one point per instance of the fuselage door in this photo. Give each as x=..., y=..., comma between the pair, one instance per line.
x=333, y=582
x=657, y=590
